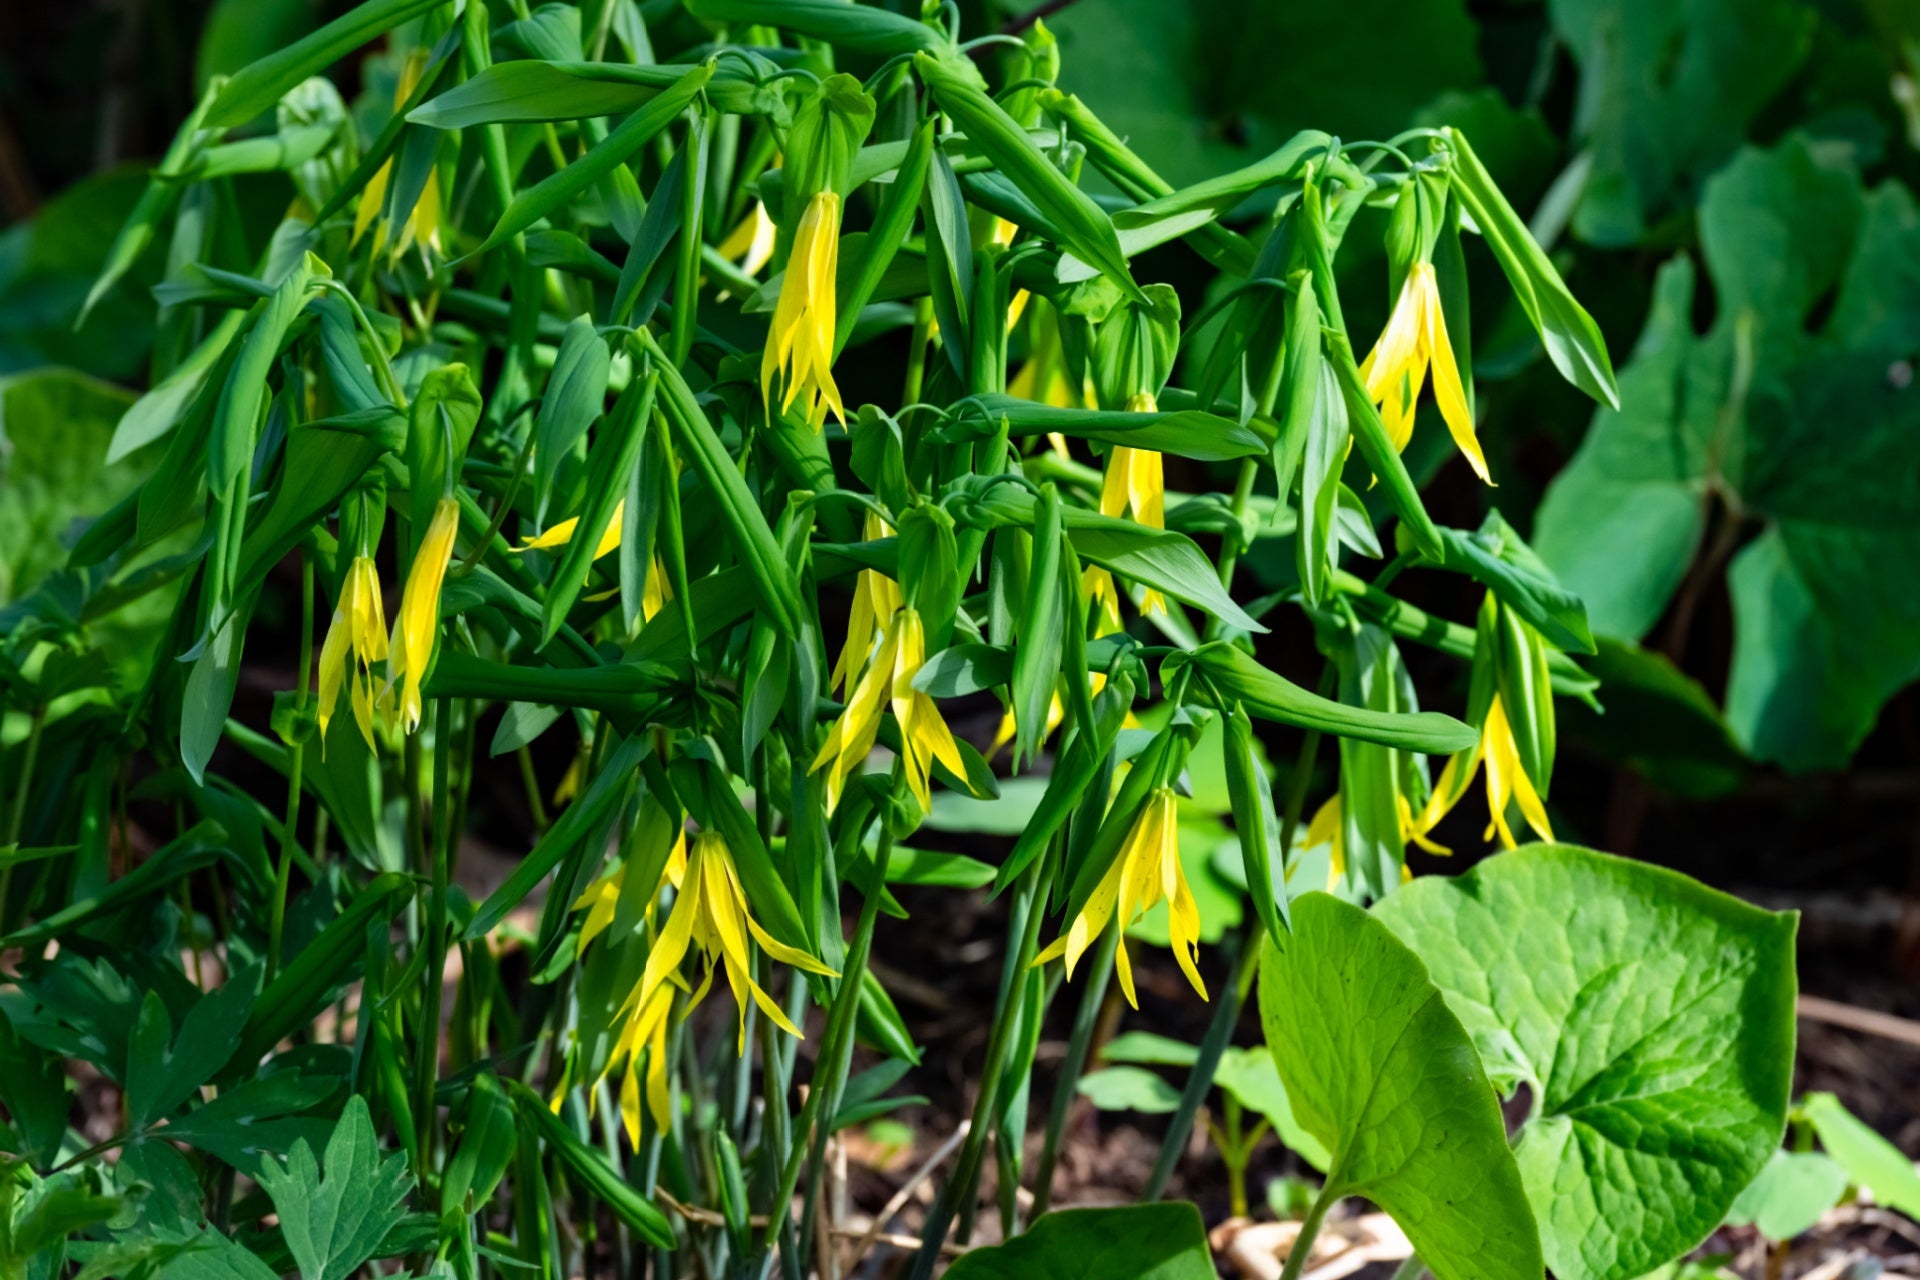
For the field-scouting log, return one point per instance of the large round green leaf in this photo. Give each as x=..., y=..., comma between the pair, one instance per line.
x=1382, y=1073
x=1650, y=1016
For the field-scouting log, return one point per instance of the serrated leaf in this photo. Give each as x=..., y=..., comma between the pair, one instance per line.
x=335, y=1224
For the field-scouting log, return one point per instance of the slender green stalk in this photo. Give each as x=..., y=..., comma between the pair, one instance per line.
x=1067, y=1087
x=296, y=759
x=832, y=1061
x=966, y=1170
x=1309, y=1232
x=16, y=819
x=427, y=1062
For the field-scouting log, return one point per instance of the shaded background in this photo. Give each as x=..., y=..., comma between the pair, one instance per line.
x=1746, y=529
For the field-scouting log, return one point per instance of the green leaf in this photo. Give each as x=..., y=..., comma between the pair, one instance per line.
x=1273, y=697
x=1793, y=424
x=1383, y=1075
x=1137, y=1242
x=1869, y=1159
x=1084, y=228
x=1130, y=1089
x=208, y=1255
x=1667, y=92
x=945, y=870
x=576, y=395
x=164, y=1070
x=1145, y=1046
x=55, y=424
x=863, y=28
x=256, y=88
x=257, y=1117
x=333, y=1226
x=1658, y=720
x=1651, y=1017
x=1251, y=1077
x=1189, y=433
x=592, y=1169
x=1790, y=1195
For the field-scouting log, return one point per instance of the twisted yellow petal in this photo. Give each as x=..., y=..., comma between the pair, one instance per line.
x=800, y=343
x=418, y=626
x=1415, y=340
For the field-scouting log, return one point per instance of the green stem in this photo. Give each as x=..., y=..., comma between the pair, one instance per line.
x=16, y=819
x=532, y=784
x=1410, y=1268
x=967, y=1169
x=427, y=1064
x=296, y=760
x=1066, y=1088
x=832, y=1061
x=1233, y=1153
x=1309, y=1232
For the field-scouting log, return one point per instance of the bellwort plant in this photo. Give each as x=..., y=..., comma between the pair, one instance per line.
x=756, y=403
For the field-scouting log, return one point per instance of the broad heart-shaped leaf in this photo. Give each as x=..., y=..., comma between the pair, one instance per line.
x=1669, y=87
x=332, y=1227
x=1651, y=1017
x=1382, y=1073
x=1797, y=426
x=1137, y=1242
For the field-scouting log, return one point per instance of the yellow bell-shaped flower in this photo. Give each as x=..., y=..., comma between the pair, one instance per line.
x=418, y=626
x=1415, y=340
x=359, y=629
x=712, y=915
x=800, y=345
x=653, y=595
x=1146, y=872
x=423, y=223
x=888, y=681
x=1134, y=482
x=876, y=598
x=1507, y=782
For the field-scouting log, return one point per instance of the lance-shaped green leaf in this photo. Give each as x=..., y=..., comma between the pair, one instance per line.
x=610, y=466
x=529, y=91
x=163, y=189
x=1251, y=794
x=1167, y=561
x=592, y=1170
x=236, y=419
x=1084, y=227
x=767, y=569
x=1217, y=195
x=1134, y=1242
x=1572, y=339
x=194, y=849
x=1036, y=658
x=1381, y=1072
x=1188, y=433
x=312, y=976
x=1651, y=1017
x=571, y=183
x=576, y=394
x=1522, y=583
x=332, y=1226
x=257, y=87
x=890, y=227
x=861, y=28
x=1273, y=697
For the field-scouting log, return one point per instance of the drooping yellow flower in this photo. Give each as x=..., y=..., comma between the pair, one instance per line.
x=1146, y=872
x=423, y=224
x=653, y=595
x=418, y=625
x=359, y=627
x=876, y=598
x=712, y=914
x=800, y=345
x=1507, y=782
x=888, y=681
x=646, y=1024
x=1134, y=483
x=1414, y=340
x=751, y=243
x=1328, y=828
